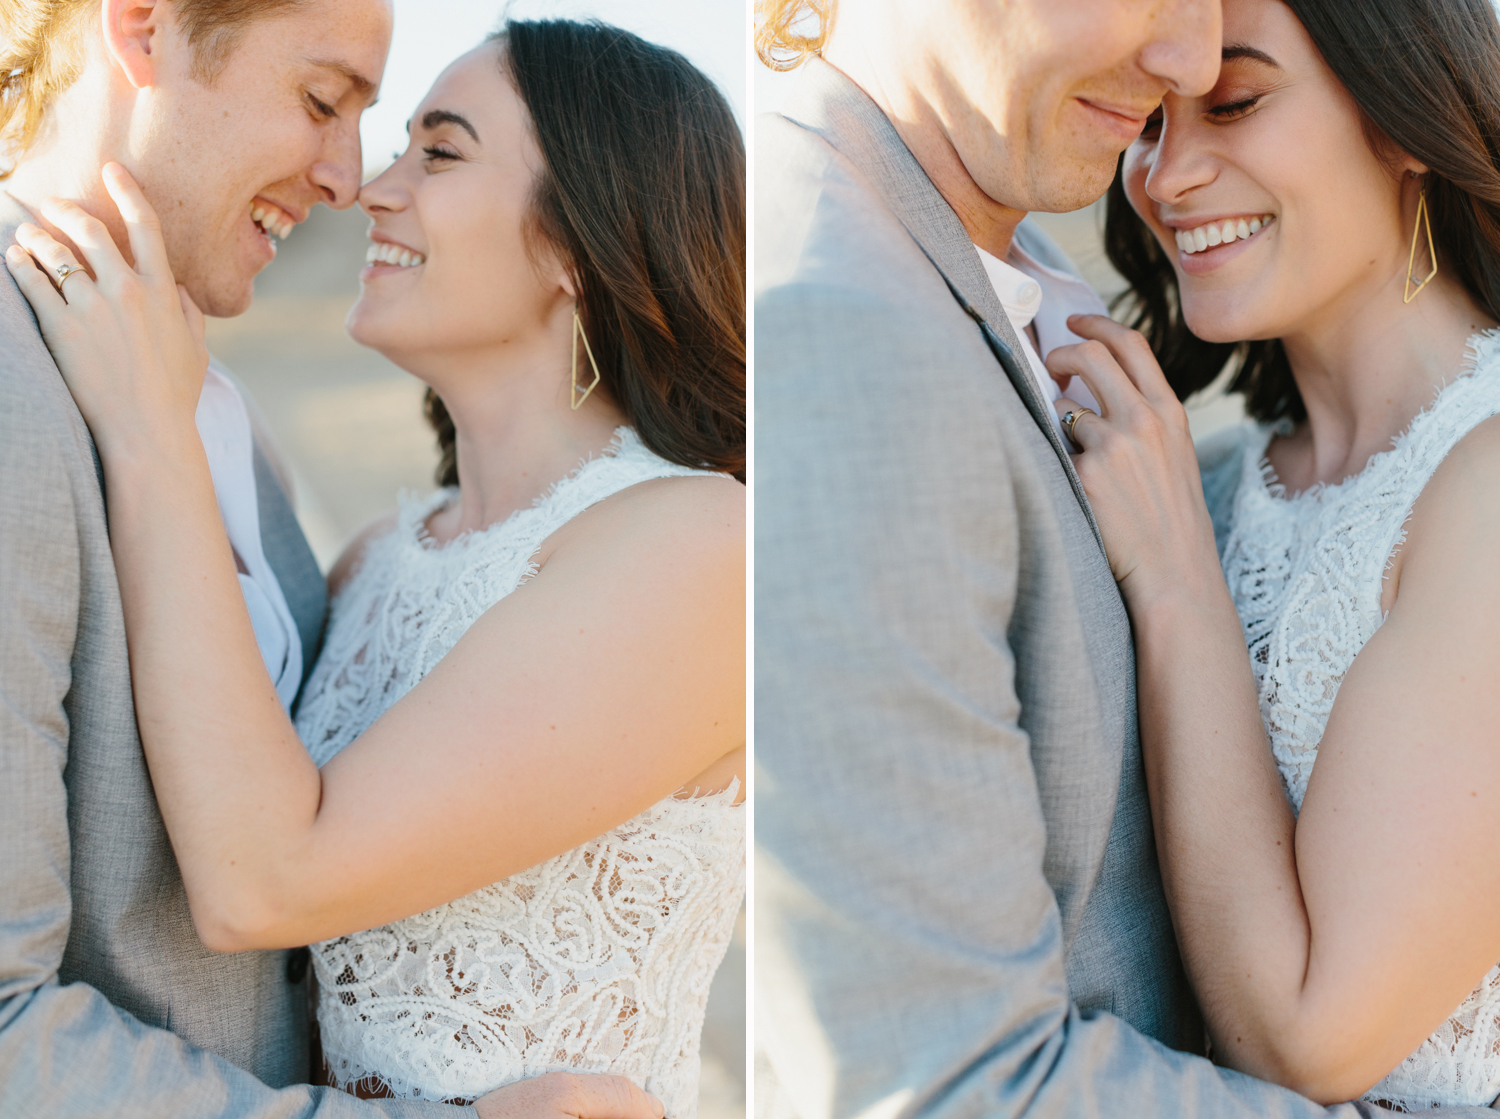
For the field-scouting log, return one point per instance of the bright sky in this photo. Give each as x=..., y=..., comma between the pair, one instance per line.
x=432, y=33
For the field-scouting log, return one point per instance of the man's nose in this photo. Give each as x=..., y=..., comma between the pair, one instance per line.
x=338, y=172
x=1187, y=48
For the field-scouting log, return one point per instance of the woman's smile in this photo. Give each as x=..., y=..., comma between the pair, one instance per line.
x=1205, y=246
x=385, y=257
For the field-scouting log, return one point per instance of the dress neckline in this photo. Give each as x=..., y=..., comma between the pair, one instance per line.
x=1482, y=347
x=414, y=512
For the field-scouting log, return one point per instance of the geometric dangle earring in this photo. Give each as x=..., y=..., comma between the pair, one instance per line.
x=577, y=334
x=1423, y=222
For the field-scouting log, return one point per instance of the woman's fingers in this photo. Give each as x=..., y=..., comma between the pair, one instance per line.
x=568, y=1095
x=1096, y=367
x=141, y=223
x=1131, y=352
x=90, y=235
x=54, y=260
x=1086, y=425
x=40, y=291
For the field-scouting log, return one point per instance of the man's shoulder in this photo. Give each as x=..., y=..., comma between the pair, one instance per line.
x=30, y=382
x=831, y=252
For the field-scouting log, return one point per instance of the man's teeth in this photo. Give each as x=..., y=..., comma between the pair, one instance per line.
x=382, y=252
x=1221, y=233
x=271, y=219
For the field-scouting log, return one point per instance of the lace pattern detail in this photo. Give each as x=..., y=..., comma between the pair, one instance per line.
x=1306, y=574
x=598, y=960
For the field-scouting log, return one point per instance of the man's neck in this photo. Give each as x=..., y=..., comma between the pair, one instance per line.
x=52, y=175
x=990, y=224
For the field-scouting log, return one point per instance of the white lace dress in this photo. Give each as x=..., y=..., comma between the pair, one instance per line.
x=1306, y=573
x=598, y=960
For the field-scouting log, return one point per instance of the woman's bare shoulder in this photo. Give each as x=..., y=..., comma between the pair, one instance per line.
x=692, y=512
x=1454, y=528
x=352, y=558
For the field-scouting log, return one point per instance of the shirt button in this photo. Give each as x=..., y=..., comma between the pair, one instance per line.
x=1030, y=292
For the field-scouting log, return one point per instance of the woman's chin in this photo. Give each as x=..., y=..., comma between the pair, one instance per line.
x=1227, y=323
x=366, y=325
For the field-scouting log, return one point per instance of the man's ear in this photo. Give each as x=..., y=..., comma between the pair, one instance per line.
x=134, y=34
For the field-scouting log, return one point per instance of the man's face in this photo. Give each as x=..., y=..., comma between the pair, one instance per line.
x=1039, y=97
x=276, y=132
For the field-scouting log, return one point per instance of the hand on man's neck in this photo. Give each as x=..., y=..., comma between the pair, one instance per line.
x=34, y=182
x=991, y=225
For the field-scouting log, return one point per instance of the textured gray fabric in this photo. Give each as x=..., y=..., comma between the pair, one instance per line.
x=109, y=1005
x=958, y=907
x=291, y=560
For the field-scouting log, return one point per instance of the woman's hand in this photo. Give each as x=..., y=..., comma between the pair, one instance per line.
x=1137, y=463
x=564, y=1095
x=128, y=340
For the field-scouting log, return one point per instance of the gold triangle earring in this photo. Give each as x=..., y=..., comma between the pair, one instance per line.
x=1423, y=222
x=577, y=334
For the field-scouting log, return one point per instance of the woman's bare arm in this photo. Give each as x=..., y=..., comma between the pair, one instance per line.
x=611, y=679
x=608, y=681
x=1323, y=948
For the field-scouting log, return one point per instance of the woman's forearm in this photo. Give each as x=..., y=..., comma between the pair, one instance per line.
x=1224, y=830
x=237, y=790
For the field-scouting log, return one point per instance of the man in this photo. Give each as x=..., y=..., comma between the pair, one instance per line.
x=236, y=116
x=959, y=911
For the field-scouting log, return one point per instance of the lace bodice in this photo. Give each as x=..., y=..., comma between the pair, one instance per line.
x=598, y=960
x=1306, y=574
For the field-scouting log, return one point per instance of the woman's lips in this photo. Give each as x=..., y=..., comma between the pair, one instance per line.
x=1221, y=231
x=1201, y=262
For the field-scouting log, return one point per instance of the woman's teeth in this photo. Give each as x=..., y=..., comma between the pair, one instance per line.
x=382, y=252
x=1221, y=233
x=271, y=219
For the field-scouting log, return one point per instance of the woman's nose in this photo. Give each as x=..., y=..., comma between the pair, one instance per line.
x=1181, y=161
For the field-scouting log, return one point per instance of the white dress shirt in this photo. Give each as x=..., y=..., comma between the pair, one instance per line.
x=1036, y=295
x=224, y=427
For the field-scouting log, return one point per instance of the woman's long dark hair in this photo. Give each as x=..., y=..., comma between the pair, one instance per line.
x=643, y=192
x=1426, y=77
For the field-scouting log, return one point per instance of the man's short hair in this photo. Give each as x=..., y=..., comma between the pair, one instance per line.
x=41, y=51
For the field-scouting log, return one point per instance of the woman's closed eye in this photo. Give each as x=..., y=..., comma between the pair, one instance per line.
x=1232, y=110
x=437, y=154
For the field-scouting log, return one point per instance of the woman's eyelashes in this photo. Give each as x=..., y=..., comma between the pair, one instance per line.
x=1223, y=113
x=1232, y=110
x=436, y=154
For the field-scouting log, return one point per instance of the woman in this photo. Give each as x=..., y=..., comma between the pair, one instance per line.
x=530, y=699
x=1329, y=217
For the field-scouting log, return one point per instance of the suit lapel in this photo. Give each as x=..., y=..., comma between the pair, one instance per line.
x=830, y=104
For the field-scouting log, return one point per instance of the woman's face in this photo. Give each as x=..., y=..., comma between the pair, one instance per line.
x=450, y=269
x=1274, y=157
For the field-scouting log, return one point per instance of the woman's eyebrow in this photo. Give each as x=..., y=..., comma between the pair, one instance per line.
x=1243, y=50
x=434, y=117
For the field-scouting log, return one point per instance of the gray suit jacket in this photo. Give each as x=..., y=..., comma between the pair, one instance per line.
x=109, y=1005
x=959, y=911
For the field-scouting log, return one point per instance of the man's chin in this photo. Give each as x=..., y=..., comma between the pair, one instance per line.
x=1083, y=186
x=224, y=301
